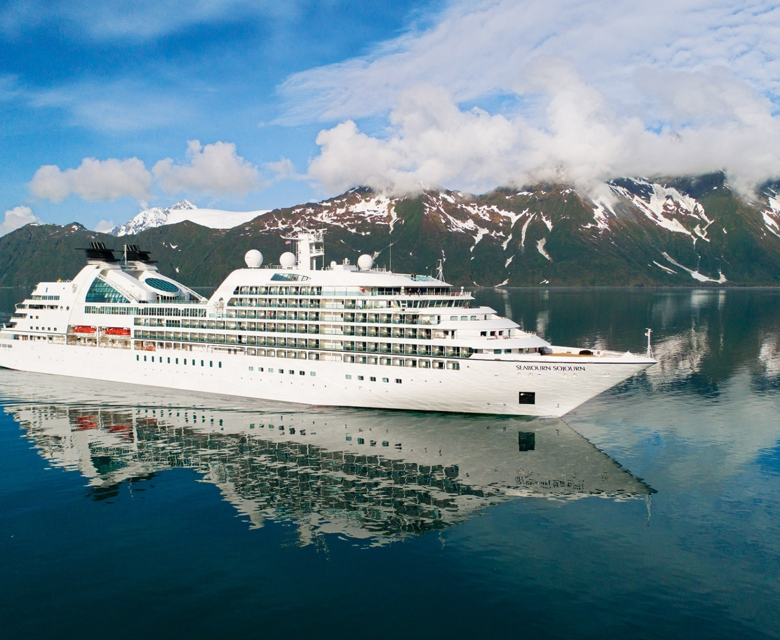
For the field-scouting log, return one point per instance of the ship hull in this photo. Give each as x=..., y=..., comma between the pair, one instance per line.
x=534, y=386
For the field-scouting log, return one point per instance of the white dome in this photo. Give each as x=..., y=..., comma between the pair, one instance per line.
x=288, y=260
x=253, y=258
x=365, y=262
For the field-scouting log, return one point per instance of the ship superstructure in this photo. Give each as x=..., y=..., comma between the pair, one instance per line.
x=339, y=335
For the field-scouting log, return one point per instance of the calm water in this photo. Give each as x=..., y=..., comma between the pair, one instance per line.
x=652, y=511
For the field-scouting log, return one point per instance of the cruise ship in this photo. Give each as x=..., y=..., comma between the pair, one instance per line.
x=302, y=332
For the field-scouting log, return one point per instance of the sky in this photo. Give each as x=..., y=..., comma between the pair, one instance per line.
x=111, y=107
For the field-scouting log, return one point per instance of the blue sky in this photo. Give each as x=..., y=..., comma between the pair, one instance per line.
x=103, y=102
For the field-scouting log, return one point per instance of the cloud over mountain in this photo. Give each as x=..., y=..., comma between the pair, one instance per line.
x=580, y=91
x=16, y=218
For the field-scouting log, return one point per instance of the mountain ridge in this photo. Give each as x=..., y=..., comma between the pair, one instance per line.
x=676, y=231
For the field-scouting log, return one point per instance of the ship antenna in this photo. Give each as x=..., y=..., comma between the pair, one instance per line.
x=440, y=270
x=649, y=345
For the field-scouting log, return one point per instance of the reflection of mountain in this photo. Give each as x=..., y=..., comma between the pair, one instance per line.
x=369, y=475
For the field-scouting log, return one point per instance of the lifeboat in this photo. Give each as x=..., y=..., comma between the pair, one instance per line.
x=82, y=329
x=117, y=331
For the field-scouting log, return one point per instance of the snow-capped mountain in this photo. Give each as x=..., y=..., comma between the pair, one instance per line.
x=181, y=211
x=687, y=231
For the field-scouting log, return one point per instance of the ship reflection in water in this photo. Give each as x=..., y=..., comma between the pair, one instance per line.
x=372, y=476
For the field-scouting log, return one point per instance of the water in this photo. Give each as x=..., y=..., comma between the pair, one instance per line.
x=649, y=512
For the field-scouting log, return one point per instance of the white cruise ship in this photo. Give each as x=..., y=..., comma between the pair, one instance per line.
x=302, y=332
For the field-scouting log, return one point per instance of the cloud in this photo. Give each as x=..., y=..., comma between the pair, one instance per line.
x=479, y=49
x=16, y=218
x=215, y=168
x=577, y=137
x=284, y=169
x=104, y=226
x=94, y=180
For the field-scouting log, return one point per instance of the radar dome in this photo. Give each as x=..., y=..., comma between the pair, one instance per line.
x=365, y=262
x=253, y=258
x=287, y=260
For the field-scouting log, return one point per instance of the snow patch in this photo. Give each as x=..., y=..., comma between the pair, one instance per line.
x=525, y=228
x=540, y=247
x=667, y=269
x=695, y=274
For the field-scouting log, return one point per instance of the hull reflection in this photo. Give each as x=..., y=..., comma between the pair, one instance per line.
x=374, y=476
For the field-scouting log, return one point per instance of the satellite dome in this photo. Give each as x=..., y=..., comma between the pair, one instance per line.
x=253, y=258
x=288, y=260
x=365, y=262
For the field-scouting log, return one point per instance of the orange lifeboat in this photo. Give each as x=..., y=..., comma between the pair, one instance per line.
x=117, y=331
x=82, y=329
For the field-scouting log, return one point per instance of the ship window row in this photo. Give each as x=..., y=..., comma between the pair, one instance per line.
x=36, y=297
x=395, y=348
x=306, y=316
x=334, y=291
x=389, y=360
x=289, y=371
x=373, y=379
x=166, y=360
x=114, y=311
x=290, y=327
x=336, y=303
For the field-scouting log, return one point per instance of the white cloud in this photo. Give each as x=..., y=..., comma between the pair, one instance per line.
x=578, y=138
x=16, y=218
x=104, y=226
x=284, y=169
x=478, y=49
x=94, y=180
x=215, y=168
x=581, y=90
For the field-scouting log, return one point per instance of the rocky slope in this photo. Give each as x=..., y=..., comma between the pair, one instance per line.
x=676, y=232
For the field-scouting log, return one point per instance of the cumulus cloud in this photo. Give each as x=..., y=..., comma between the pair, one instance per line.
x=94, y=180
x=215, y=168
x=16, y=218
x=579, y=138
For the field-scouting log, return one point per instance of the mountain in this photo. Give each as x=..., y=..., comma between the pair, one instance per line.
x=679, y=231
x=179, y=212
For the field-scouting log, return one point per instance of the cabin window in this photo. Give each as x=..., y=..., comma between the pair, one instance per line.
x=137, y=357
x=313, y=373
x=348, y=377
x=301, y=373
x=251, y=368
x=385, y=379
x=496, y=351
x=211, y=363
x=202, y=364
x=372, y=378
x=398, y=381
x=360, y=378
x=219, y=365
x=177, y=361
x=527, y=397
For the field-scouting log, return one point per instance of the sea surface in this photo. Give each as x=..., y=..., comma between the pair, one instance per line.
x=652, y=511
